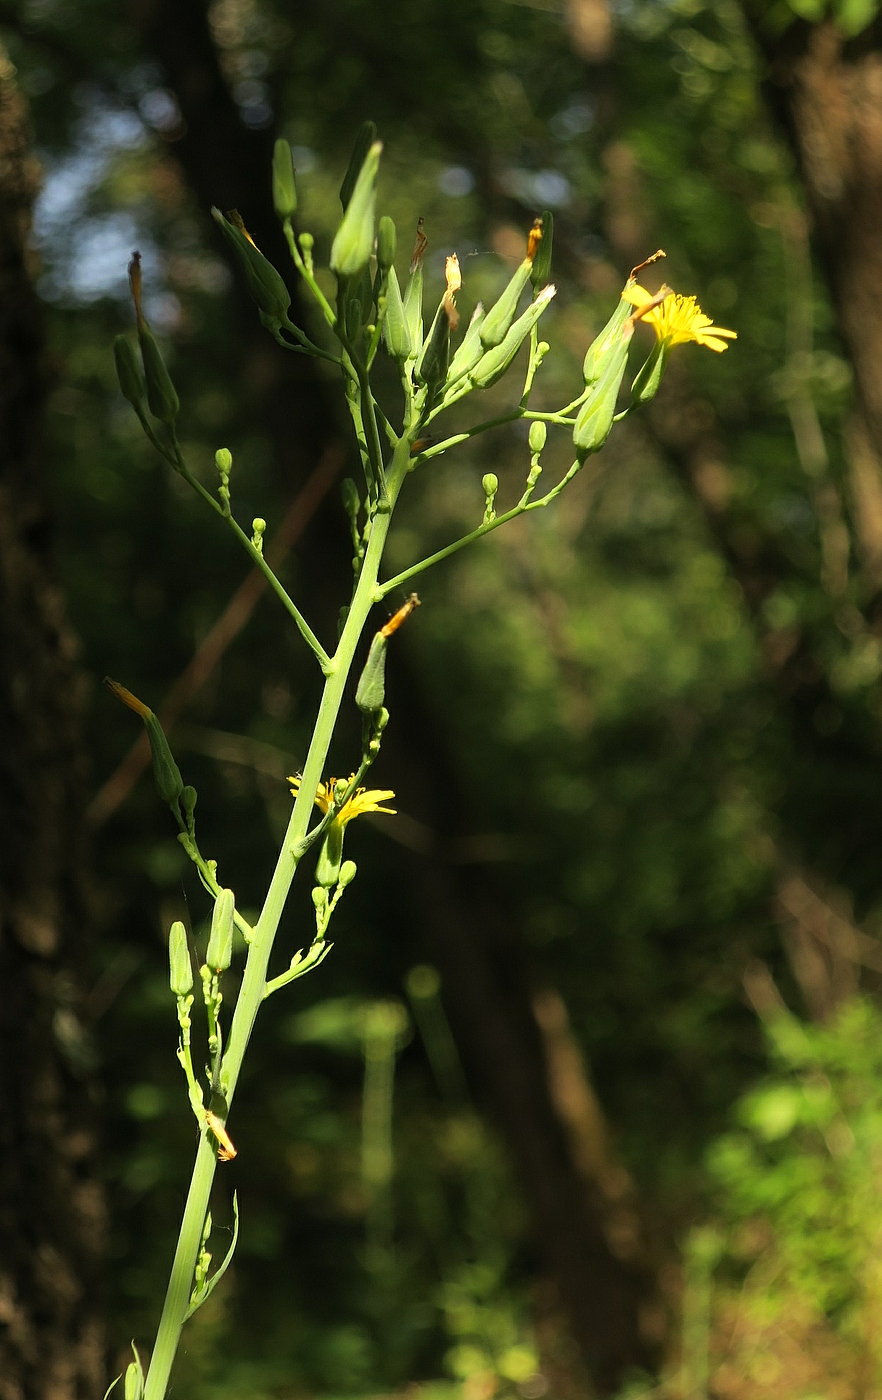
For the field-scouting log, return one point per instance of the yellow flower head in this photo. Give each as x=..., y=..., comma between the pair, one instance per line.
x=677, y=320
x=362, y=800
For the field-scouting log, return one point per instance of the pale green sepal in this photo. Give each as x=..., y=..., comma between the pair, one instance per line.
x=197, y=1299
x=413, y=307
x=134, y=1384
x=497, y=322
x=354, y=239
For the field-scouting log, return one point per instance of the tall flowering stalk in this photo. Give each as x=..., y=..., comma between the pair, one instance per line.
x=370, y=314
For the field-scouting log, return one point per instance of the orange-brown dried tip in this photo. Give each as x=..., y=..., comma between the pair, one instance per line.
x=419, y=247
x=225, y=1149
x=653, y=258
x=128, y=698
x=135, y=284
x=402, y=614
x=534, y=238
x=236, y=219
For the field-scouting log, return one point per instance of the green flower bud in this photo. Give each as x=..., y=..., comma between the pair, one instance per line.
x=490, y=484
x=542, y=257
x=327, y=870
x=538, y=435
x=396, y=332
x=134, y=1382
x=413, y=292
x=387, y=240
x=162, y=398
x=600, y=347
x=351, y=498
x=348, y=872
x=354, y=240
x=319, y=897
x=493, y=364
x=165, y=771
x=188, y=805
x=595, y=419
x=431, y=367
x=220, y=940
x=284, y=187
x=128, y=371
x=367, y=135
x=180, y=967
x=264, y=283
x=371, y=688
x=497, y=322
x=649, y=376
x=223, y=460
x=470, y=351
x=306, y=241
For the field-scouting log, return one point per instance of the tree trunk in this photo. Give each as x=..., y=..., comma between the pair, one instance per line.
x=51, y=1206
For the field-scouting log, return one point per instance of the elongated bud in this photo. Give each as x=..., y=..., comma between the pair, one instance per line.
x=166, y=772
x=162, y=398
x=284, y=187
x=431, y=367
x=595, y=419
x=327, y=870
x=649, y=376
x=188, y=806
x=413, y=292
x=493, y=363
x=387, y=240
x=265, y=285
x=470, y=351
x=499, y=318
x=601, y=345
x=371, y=689
x=180, y=968
x=367, y=135
x=128, y=371
x=354, y=240
x=538, y=436
x=542, y=255
x=220, y=940
x=490, y=485
x=134, y=1382
x=396, y=332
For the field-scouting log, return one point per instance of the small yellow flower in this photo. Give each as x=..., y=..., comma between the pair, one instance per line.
x=677, y=320
x=362, y=800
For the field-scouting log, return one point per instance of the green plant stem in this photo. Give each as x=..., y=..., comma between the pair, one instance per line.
x=523, y=505
x=254, y=979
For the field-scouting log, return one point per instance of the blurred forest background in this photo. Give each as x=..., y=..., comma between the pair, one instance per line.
x=588, y=1096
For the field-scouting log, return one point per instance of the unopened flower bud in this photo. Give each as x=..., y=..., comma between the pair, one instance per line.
x=470, y=351
x=128, y=371
x=538, y=435
x=371, y=689
x=354, y=240
x=396, y=331
x=223, y=460
x=180, y=966
x=220, y=941
x=594, y=423
x=493, y=363
x=166, y=772
x=542, y=255
x=367, y=135
x=327, y=869
x=284, y=187
x=387, y=240
x=348, y=872
x=501, y=314
x=265, y=285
